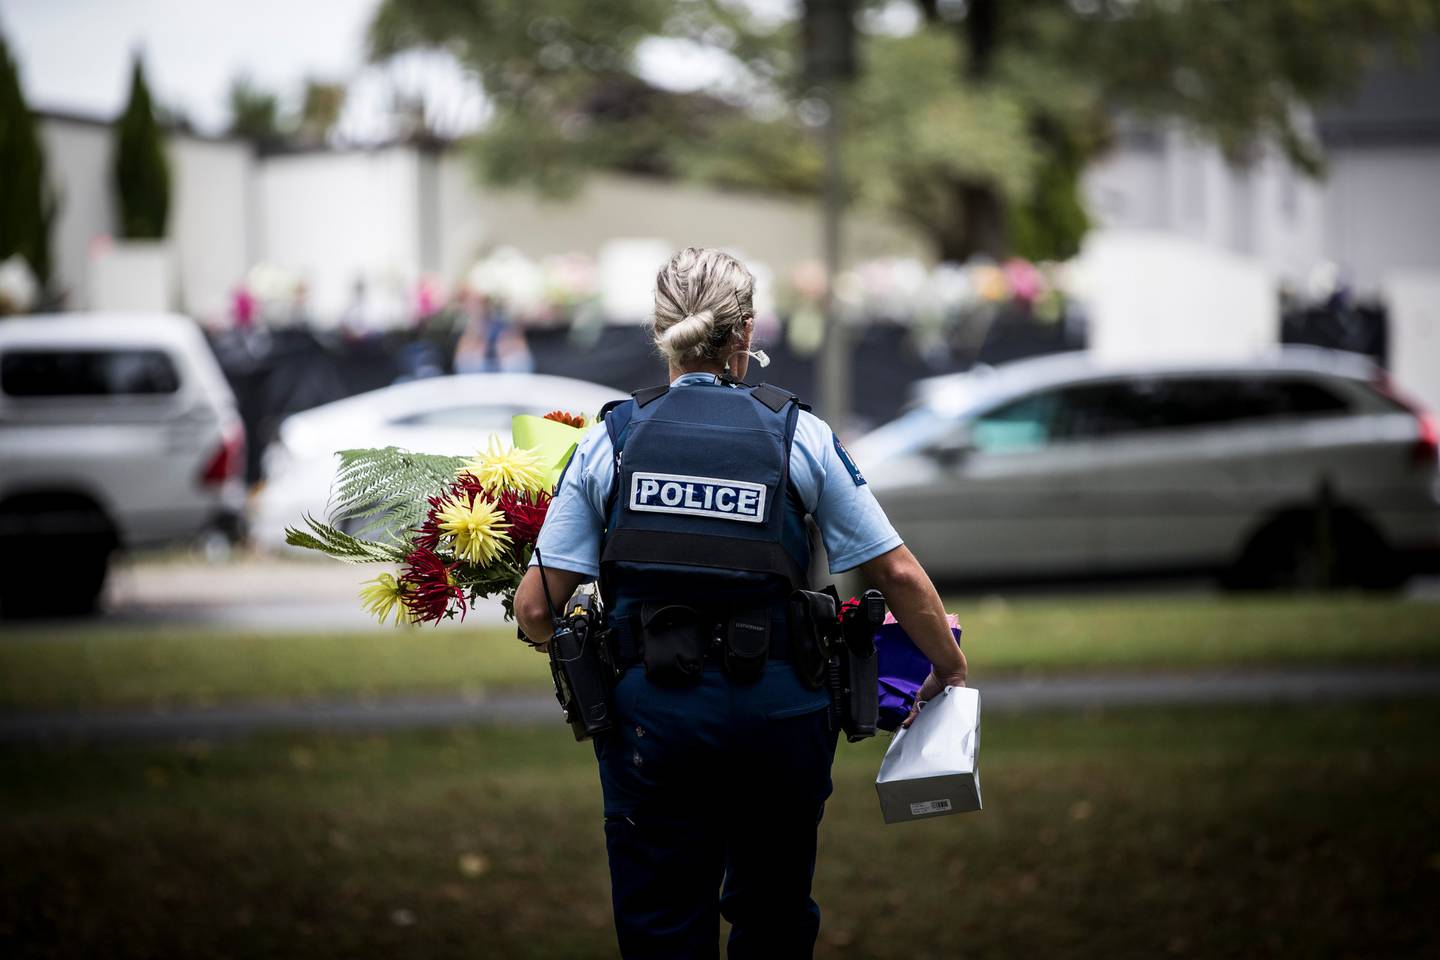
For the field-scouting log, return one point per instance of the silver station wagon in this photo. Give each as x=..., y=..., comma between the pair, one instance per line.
x=1304, y=468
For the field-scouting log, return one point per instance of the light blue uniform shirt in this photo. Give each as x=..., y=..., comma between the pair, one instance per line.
x=851, y=523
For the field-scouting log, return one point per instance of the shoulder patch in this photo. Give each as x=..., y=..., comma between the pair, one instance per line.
x=849, y=463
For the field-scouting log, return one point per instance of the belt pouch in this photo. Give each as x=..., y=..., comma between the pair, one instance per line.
x=674, y=639
x=811, y=615
x=747, y=645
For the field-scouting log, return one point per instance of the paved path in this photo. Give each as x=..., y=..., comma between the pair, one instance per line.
x=301, y=594
x=258, y=594
x=1073, y=692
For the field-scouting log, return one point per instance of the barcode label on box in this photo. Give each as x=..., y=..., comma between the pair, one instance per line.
x=929, y=806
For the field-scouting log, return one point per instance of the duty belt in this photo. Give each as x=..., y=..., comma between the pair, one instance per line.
x=627, y=645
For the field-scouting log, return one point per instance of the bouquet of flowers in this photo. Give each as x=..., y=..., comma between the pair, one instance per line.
x=460, y=529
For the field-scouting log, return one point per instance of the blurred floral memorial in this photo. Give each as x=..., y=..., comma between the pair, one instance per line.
x=512, y=313
x=461, y=530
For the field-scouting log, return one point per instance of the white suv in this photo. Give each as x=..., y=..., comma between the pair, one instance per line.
x=116, y=430
x=1304, y=468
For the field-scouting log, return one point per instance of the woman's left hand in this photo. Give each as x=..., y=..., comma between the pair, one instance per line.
x=932, y=687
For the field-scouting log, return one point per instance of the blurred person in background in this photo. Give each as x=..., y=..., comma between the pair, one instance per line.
x=512, y=351
x=716, y=769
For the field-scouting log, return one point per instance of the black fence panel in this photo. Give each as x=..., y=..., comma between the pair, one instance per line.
x=277, y=373
x=1339, y=325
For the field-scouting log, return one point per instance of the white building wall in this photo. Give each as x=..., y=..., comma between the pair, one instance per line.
x=775, y=231
x=1382, y=211
x=208, y=232
x=1126, y=188
x=1155, y=296
x=331, y=219
x=1413, y=297
x=1277, y=217
x=77, y=155
x=1187, y=188
x=210, y=221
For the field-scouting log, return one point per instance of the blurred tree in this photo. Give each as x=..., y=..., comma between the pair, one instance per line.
x=976, y=126
x=1241, y=74
x=142, y=174
x=27, y=202
x=952, y=157
x=254, y=111
x=560, y=76
x=320, y=110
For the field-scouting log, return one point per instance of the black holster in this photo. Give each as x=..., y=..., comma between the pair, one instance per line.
x=837, y=651
x=674, y=639
x=814, y=635
x=582, y=669
x=859, y=667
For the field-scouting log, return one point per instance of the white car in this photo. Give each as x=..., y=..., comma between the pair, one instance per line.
x=454, y=415
x=1304, y=468
x=116, y=430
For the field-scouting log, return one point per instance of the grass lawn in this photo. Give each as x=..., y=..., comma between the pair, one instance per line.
x=1137, y=833
x=96, y=666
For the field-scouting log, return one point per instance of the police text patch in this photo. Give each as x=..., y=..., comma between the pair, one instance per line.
x=698, y=496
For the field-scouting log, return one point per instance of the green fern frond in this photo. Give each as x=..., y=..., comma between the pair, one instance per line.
x=383, y=492
x=340, y=545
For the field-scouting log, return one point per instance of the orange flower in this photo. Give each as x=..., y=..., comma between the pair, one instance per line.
x=569, y=419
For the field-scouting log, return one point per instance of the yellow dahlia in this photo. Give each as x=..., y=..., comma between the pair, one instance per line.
x=502, y=466
x=478, y=528
x=383, y=598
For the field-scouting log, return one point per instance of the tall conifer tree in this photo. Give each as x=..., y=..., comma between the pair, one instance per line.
x=27, y=204
x=142, y=175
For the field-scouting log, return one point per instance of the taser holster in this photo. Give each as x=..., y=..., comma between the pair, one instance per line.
x=859, y=667
x=837, y=650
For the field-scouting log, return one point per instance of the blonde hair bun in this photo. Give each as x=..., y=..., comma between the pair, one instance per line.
x=689, y=333
x=702, y=299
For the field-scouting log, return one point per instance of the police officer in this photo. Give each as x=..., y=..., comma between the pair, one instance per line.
x=688, y=503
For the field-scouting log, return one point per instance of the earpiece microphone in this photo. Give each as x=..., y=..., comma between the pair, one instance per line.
x=760, y=357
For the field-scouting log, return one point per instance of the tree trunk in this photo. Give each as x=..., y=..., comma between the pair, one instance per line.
x=976, y=226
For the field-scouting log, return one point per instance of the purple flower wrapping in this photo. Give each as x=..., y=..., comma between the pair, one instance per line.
x=902, y=668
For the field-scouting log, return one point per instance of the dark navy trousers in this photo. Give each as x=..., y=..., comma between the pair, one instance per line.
x=713, y=799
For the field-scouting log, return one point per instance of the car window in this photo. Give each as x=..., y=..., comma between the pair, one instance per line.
x=1024, y=424
x=1096, y=410
x=87, y=373
x=1178, y=403
x=469, y=417
x=1305, y=398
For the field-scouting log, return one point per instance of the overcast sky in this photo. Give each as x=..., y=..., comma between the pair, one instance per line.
x=74, y=55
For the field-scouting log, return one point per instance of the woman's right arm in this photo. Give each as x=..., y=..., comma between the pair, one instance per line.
x=913, y=599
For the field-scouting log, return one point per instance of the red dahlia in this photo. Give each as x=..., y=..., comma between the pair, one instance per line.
x=525, y=514
x=429, y=587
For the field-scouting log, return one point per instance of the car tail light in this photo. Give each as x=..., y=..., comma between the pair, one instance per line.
x=1426, y=451
x=1427, y=446
x=229, y=458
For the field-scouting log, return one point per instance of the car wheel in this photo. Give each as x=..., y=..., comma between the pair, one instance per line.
x=54, y=556
x=57, y=579
x=1302, y=551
